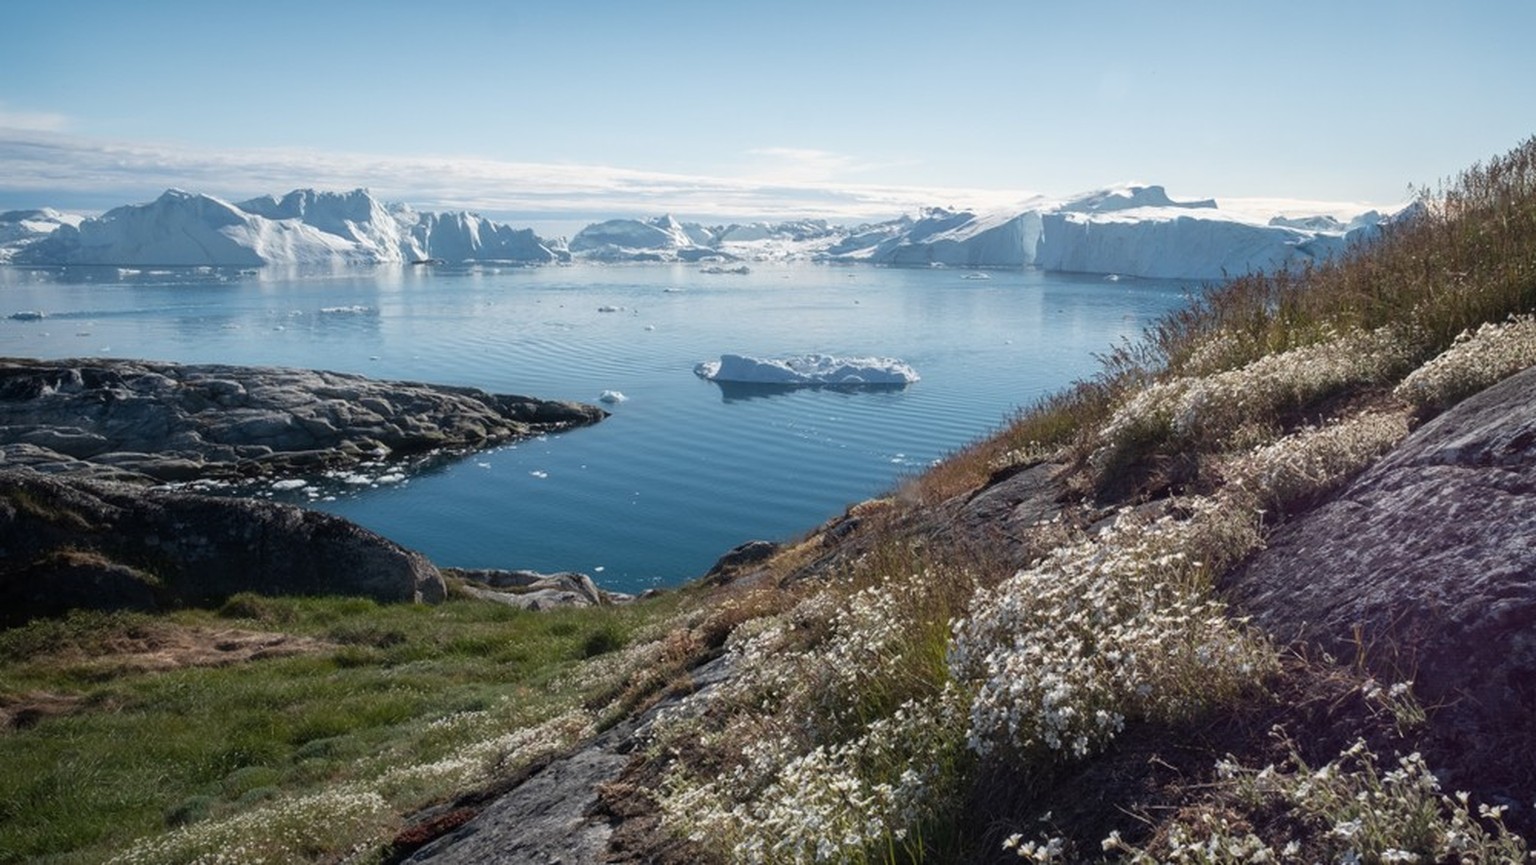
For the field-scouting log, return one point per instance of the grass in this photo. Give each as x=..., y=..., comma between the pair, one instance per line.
x=141, y=750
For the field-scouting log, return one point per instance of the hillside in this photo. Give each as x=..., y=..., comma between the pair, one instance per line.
x=1259, y=591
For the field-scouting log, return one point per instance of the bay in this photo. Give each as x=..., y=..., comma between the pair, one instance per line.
x=683, y=470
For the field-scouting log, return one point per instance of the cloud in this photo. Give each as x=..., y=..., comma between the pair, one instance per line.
x=31, y=121
x=799, y=163
x=53, y=165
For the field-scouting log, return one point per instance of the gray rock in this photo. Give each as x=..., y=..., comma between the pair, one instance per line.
x=223, y=422
x=71, y=543
x=739, y=558
x=531, y=590
x=1425, y=568
x=552, y=816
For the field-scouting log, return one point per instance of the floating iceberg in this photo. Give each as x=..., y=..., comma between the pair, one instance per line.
x=810, y=369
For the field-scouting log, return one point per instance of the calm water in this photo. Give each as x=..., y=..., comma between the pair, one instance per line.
x=682, y=471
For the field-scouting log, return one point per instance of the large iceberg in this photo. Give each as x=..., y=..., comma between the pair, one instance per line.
x=303, y=227
x=956, y=238
x=659, y=239
x=809, y=369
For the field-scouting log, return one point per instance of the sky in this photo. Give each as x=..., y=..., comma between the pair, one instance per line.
x=842, y=109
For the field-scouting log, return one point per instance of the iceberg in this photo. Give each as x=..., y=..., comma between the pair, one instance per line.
x=948, y=237
x=659, y=239
x=304, y=227
x=20, y=229
x=809, y=369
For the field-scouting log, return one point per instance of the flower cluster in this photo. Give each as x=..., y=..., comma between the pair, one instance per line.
x=831, y=803
x=1045, y=851
x=834, y=735
x=487, y=757
x=1031, y=453
x=1236, y=405
x=1349, y=810
x=1061, y=654
x=1474, y=361
x=288, y=830
x=1314, y=459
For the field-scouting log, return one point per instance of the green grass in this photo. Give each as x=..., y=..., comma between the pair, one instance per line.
x=146, y=751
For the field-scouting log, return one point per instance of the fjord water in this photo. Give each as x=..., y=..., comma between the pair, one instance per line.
x=683, y=470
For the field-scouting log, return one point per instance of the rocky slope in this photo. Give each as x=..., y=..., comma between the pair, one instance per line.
x=1422, y=567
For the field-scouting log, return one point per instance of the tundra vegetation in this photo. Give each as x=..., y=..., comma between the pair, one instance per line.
x=911, y=696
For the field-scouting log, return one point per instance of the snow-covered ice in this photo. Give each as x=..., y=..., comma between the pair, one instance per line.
x=809, y=369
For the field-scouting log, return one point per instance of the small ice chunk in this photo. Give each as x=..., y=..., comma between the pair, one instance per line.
x=612, y=396
x=538, y=473
x=289, y=484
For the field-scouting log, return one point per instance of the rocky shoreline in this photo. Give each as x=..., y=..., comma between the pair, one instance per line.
x=149, y=422
x=92, y=453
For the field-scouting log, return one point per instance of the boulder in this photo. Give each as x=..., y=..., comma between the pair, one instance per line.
x=1424, y=568
x=739, y=558
x=71, y=543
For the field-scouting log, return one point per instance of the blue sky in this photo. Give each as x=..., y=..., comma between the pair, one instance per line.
x=839, y=108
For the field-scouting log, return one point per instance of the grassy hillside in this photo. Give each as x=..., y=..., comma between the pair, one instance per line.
x=907, y=687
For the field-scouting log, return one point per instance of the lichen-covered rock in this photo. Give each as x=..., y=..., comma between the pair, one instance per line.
x=72, y=543
x=1425, y=567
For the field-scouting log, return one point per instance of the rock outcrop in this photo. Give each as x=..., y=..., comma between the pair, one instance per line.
x=555, y=813
x=139, y=420
x=531, y=590
x=1424, y=568
x=77, y=544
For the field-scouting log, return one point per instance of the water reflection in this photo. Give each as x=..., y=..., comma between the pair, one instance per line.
x=741, y=391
